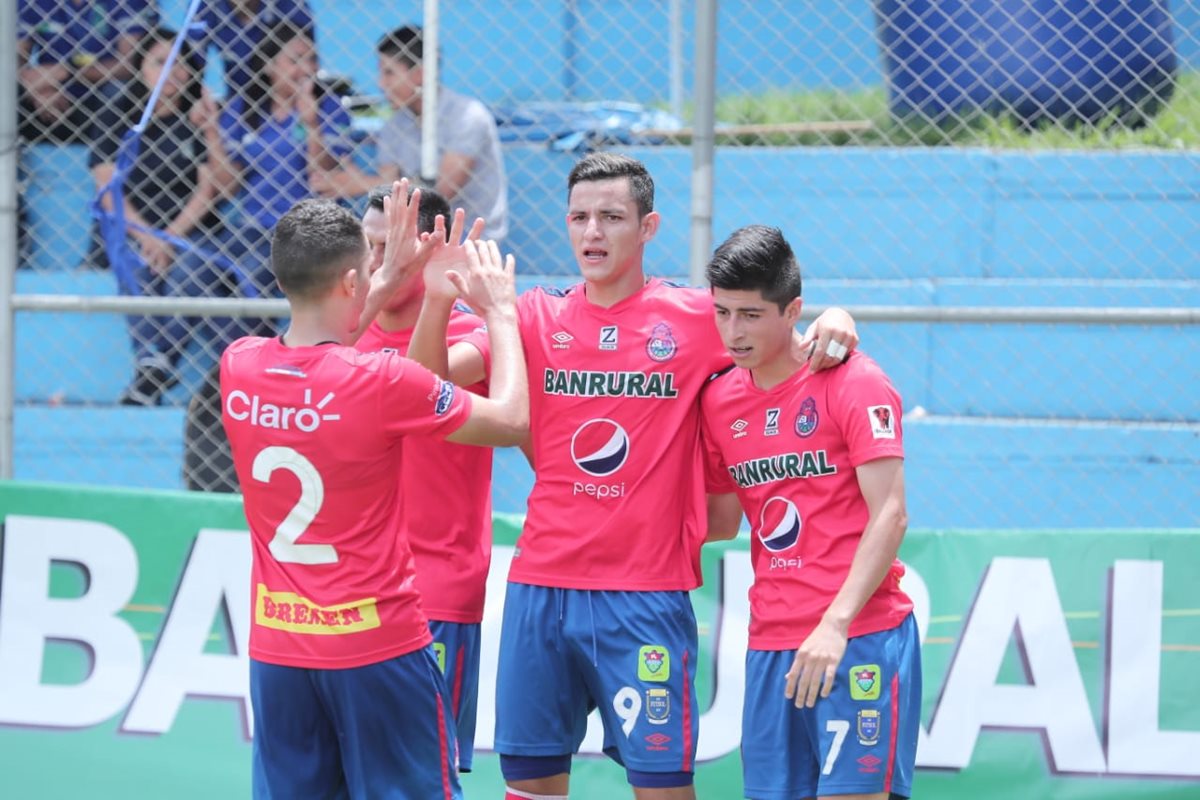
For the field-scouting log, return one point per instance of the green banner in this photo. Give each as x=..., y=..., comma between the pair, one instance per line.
x=1057, y=663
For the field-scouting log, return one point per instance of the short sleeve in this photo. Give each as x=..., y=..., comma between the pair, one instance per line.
x=233, y=131
x=470, y=131
x=716, y=473
x=868, y=410
x=416, y=401
x=335, y=126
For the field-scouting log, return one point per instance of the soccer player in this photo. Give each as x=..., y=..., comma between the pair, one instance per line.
x=447, y=488
x=347, y=695
x=597, y=612
x=833, y=675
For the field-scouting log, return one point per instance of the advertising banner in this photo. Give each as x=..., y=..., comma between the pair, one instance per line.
x=1057, y=664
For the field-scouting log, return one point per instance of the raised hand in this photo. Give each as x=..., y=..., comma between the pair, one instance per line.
x=452, y=257
x=490, y=283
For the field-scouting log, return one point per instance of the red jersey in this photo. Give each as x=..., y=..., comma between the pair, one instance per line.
x=618, y=501
x=791, y=453
x=315, y=434
x=447, y=498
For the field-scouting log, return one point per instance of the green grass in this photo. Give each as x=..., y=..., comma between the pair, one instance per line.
x=1175, y=126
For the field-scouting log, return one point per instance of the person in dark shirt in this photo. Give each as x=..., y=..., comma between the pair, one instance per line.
x=180, y=175
x=74, y=60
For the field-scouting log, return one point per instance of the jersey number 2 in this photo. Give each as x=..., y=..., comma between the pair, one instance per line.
x=312, y=495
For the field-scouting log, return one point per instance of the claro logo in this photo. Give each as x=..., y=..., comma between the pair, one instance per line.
x=250, y=408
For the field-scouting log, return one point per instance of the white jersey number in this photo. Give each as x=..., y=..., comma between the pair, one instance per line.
x=839, y=728
x=293, y=526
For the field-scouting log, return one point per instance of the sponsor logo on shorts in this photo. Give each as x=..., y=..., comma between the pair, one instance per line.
x=657, y=742
x=658, y=706
x=654, y=663
x=868, y=727
x=869, y=764
x=865, y=680
x=286, y=611
x=806, y=418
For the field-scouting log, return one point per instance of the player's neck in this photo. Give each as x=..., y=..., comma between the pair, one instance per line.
x=781, y=367
x=607, y=295
x=313, y=326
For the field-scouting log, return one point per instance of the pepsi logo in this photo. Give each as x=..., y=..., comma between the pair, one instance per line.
x=600, y=447
x=779, y=525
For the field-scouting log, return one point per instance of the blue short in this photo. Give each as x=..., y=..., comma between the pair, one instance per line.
x=860, y=740
x=456, y=645
x=564, y=652
x=379, y=731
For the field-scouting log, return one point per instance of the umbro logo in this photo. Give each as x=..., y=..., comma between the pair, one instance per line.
x=562, y=340
x=739, y=428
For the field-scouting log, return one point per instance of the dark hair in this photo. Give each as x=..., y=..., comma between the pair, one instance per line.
x=257, y=108
x=406, y=44
x=756, y=257
x=432, y=204
x=313, y=243
x=187, y=56
x=604, y=166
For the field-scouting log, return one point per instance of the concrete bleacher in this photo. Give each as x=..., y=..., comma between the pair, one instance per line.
x=1006, y=411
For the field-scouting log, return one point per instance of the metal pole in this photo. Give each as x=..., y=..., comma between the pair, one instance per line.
x=431, y=66
x=703, y=141
x=676, y=66
x=8, y=228
x=570, y=76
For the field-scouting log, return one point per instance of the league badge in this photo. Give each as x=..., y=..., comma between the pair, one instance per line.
x=806, y=418
x=654, y=664
x=658, y=706
x=882, y=423
x=661, y=345
x=868, y=727
x=439, y=650
x=865, y=682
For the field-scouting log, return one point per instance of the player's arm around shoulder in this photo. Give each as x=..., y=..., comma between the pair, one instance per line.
x=502, y=418
x=724, y=509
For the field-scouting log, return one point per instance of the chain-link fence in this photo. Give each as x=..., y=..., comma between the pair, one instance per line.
x=990, y=186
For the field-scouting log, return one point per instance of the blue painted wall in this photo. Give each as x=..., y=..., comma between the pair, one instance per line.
x=516, y=50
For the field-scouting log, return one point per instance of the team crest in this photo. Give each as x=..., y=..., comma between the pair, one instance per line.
x=806, y=418
x=864, y=682
x=654, y=664
x=868, y=727
x=883, y=425
x=661, y=345
x=658, y=706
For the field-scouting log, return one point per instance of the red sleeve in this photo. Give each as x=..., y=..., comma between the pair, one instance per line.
x=716, y=473
x=868, y=411
x=416, y=401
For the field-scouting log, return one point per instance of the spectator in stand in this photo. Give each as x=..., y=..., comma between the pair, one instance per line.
x=279, y=133
x=74, y=59
x=236, y=28
x=181, y=173
x=470, y=171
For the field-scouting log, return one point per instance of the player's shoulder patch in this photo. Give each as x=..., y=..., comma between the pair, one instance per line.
x=463, y=308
